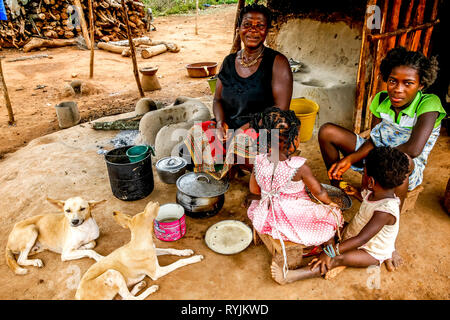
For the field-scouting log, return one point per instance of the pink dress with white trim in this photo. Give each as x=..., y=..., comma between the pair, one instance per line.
x=295, y=216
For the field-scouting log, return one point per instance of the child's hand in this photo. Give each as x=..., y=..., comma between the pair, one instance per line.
x=324, y=262
x=334, y=204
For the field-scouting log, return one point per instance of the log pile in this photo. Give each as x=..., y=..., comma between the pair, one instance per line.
x=59, y=19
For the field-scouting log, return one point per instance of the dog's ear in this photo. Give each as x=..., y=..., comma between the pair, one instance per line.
x=152, y=208
x=122, y=219
x=93, y=203
x=58, y=203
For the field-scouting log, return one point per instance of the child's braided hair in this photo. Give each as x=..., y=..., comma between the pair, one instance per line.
x=426, y=68
x=285, y=121
x=388, y=166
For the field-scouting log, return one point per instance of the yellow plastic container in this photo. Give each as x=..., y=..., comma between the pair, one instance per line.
x=306, y=111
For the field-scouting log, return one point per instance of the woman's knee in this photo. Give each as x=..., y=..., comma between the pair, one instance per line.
x=326, y=131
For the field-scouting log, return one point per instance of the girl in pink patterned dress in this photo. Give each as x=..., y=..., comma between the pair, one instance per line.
x=285, y=211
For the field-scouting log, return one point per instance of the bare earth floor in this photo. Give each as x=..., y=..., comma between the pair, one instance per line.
x=65, y=163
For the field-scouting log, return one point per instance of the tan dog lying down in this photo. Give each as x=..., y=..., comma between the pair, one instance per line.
x=128, y=265
x=71, y=233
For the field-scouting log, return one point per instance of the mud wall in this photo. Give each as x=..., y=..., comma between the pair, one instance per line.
x=325, y=37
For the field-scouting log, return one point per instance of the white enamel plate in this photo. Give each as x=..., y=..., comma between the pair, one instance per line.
x=228, y=237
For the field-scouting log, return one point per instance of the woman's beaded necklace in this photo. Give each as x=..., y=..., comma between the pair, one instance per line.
x=251, y=63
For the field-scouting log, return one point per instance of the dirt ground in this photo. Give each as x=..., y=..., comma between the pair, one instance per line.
x=62, y=163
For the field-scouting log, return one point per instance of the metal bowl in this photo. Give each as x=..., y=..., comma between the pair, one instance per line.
x=334, y=192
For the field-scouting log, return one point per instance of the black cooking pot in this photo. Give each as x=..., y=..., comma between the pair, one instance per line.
x=200, y=194
x=169, y=169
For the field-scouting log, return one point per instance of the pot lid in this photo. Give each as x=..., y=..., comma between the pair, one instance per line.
x=199, y=184
x=171, y=163
x=228, y=237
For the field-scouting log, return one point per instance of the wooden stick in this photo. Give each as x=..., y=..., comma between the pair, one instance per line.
x=84, y=28
x=426, y=40
x=237, y=39
x=133, y=51
x=404, y=30
x=11, y=120
x=196, y=17
x=361, y=75
x=419, y=15
x=36, y=56
x=375, y=78
x=402, y=40
x=91, y=27
x=395, y=17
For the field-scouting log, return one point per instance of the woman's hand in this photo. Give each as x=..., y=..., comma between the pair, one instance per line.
x=324, y=262
x=223, y=134
x=337, y=169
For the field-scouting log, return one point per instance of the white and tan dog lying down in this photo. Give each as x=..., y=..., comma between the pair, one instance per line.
x=71, y=233
x=128, y=265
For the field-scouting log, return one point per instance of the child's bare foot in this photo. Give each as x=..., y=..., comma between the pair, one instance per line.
x=292, y=275
x=394, y=263
x=334, y=272
x=277, y=273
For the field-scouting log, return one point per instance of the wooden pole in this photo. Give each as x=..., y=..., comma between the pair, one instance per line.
x=11, y=120
x=402, y=40
x=361, y=75
x=376, y=79
x=84, y=28
x=196, y=17
x=426, y=41
x=237, y=39
x=404, y=31
x=91, y=27
x=419, y=19
x=132, y=49
x=395, y=18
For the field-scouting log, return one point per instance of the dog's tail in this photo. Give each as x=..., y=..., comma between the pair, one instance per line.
x=12, y=263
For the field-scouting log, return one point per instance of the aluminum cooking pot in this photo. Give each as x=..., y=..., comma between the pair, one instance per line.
x=169, y=169
x=200, y=194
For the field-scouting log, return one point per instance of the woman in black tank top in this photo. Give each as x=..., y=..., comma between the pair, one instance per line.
x=249, y=81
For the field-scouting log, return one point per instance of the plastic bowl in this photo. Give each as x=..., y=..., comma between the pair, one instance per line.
x=137, y=153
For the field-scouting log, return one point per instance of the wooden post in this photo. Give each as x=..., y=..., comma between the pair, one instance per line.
x=361, y=75
x=402, y=40
x=91, y=27
x=395, y=17
x=376, y=79
x=132, y=49
x=237, y=39
x=420, y=12
x=196, y=17
x=426, y=40
x=84, y=28
x=11, y=120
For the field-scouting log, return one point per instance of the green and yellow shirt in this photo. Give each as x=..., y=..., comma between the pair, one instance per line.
x=407, y=118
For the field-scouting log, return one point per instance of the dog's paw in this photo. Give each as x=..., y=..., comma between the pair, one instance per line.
x=197, y=258
x=97, y=257
x=38, y=263
x=153, y=288
x=186, y=252
x=141, y=285
x=21, y=271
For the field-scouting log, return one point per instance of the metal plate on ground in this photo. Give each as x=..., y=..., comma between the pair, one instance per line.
x=228, y=237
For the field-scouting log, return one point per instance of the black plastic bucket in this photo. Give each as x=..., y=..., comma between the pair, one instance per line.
x=129, y=181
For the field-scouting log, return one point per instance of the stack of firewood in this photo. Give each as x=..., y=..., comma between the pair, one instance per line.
x=59, y=19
